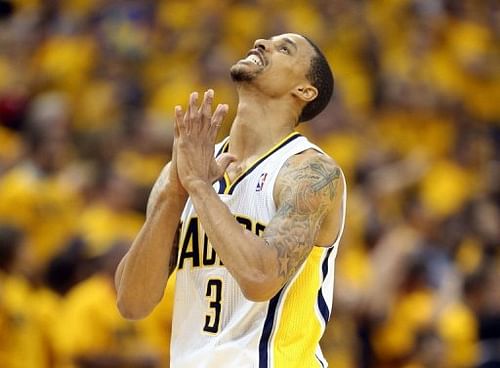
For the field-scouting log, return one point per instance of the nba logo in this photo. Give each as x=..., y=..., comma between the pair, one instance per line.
x=260, y=183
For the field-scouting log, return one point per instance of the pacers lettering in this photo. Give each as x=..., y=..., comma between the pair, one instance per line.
x=209, y=255
x=193, y=237
x=190, y=246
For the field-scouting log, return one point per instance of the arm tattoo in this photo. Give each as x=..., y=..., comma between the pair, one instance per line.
x=307, y=189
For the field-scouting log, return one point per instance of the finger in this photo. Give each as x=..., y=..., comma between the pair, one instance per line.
x=206, y=108
x=217, y=118
x=224, y=160
x=178, y=121
x=192, y=111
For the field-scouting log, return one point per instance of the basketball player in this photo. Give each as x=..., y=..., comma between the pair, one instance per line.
x=253, y=229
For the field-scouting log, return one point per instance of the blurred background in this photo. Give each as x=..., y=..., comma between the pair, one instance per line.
x=87, y=91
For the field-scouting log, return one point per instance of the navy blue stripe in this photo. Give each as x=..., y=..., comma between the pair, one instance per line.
x=323, y=306
x=219, y=151
x=222, y=185
x=324, y=266
x=254, y=166
x=222, y=181
x=320, y=361
x=223, y=148
x=267, y=330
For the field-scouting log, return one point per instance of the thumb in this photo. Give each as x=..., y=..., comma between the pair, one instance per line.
x=224, y=160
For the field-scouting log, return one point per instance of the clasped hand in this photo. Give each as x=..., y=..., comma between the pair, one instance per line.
x=194, y=141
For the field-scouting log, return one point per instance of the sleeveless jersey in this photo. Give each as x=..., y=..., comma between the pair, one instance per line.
x=214, y=325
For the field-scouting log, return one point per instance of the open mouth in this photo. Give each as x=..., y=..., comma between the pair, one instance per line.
x=255, y=57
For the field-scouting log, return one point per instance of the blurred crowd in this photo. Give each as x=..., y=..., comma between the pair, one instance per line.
x=87, y=91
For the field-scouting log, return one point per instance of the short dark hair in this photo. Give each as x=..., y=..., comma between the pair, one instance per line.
x=320, y=75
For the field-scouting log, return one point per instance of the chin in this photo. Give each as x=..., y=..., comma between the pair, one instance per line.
x=244, y=72
x=241, y=74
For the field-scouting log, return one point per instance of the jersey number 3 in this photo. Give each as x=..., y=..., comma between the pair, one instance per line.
x=214, y=297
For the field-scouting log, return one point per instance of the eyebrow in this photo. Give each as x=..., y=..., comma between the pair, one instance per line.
x=290, y=42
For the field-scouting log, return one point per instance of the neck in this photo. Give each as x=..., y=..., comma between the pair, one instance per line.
x=260, y=123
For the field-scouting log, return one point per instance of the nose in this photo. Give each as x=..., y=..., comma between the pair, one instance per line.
x=261, y=44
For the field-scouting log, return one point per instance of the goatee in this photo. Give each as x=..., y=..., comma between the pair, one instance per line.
x=239, y=74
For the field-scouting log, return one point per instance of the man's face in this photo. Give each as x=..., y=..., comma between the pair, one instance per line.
x=276, y=65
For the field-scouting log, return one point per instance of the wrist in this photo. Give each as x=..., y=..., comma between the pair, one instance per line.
x=174, y=190
x=197, y=187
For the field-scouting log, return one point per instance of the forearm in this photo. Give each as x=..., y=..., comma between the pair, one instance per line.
x=246, y=256
x=142, y=274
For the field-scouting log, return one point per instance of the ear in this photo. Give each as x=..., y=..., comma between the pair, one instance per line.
x=305, y=92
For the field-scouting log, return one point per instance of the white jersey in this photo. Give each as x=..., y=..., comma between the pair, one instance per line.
x=214, y=325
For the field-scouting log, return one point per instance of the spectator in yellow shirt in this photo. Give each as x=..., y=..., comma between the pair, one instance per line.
x=21, y=341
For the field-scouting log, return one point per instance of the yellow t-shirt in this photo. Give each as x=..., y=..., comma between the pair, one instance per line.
x=46, y=208
x=101, y=227
x=458, y=328
x=90, y=323
x=21, y=340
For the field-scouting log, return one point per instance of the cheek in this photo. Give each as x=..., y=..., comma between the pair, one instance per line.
x=280, y=80
x=291, y=71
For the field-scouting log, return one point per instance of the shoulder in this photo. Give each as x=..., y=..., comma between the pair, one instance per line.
x=312, y=175
x=309, y=165
x=310, y=158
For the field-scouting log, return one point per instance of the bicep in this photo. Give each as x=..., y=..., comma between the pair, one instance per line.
x=307, y=190
x=292, y=236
